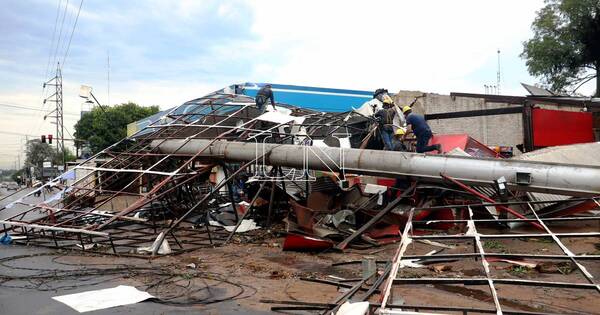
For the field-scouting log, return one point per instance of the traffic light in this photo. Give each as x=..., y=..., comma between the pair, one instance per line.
x=49, y=139
x=43, y=138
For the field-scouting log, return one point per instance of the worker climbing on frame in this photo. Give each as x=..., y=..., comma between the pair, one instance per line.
x=417, y=124
x=263, y=95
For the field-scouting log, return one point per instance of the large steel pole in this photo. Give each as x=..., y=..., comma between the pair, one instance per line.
x=556, y=178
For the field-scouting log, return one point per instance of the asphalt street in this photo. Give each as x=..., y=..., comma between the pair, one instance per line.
x=19, y=301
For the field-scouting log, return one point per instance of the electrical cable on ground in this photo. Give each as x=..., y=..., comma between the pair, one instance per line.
x=169, y=282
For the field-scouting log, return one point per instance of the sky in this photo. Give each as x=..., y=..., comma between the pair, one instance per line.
x=167, y=52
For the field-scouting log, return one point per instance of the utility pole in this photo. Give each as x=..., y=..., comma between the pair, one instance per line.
x=57, y=98
x=108, y=76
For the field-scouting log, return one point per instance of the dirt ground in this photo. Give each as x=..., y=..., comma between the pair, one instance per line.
x=264, y=271
x=267, y=272
x=275, y=274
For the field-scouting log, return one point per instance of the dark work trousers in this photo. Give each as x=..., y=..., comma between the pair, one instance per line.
x=388, y=139
x=423, y=140
x=260, y=103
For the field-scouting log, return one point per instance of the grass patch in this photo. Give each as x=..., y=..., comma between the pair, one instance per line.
x=493, y=245
x=519, y=271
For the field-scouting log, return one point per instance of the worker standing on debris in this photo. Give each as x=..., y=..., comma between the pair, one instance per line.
x=420, y=128
x=264, y=94
x=384, y=97
x=385, y=118
x=389, y=118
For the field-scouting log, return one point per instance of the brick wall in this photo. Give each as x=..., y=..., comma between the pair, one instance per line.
x=502, y=130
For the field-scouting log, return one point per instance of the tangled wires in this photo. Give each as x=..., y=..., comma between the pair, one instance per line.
x=170, y=283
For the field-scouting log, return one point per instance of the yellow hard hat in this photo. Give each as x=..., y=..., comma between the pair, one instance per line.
x=400, y=132
x=387, y=99
x=406, y=109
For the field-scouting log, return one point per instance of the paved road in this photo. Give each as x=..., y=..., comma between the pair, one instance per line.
x=29, y=301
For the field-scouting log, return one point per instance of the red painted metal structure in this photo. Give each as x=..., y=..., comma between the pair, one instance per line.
x=557, y=127
x=464, y=142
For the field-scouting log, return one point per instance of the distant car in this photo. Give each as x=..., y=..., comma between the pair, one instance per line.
x=12, y=186
x=3, y=185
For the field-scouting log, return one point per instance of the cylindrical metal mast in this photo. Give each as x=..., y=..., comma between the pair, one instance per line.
x=523, y=175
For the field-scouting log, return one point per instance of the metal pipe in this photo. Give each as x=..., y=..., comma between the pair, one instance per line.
x=565, y=179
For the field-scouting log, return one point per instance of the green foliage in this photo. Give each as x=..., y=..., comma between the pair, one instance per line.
x=103, y=127
x=493, y=245
x=38, y=152
x=57, y=158
x=519, y=271
x=17, y=176
x=565, y=48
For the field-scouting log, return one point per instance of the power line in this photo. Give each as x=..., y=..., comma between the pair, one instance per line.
x=72, y=32
x=53, y=36
x=53, y=47
x=32, y=108
x=15, y=133
x=60, y=33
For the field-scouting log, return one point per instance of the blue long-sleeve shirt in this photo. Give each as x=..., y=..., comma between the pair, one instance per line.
x=418, y=124
x=264, y=94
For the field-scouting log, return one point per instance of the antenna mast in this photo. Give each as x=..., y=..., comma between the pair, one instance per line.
x=498, y=74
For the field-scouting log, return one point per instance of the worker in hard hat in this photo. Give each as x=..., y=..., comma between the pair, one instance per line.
x=399, y=139
x=384, y=97
x=262, y=96
x=389, y=115
x=417, y=124
x=385, y=117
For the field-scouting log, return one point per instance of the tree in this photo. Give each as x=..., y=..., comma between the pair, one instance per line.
x=102, y=127
x=17, y=176
x=57, y=157
x=38, y=152
x=565, y=48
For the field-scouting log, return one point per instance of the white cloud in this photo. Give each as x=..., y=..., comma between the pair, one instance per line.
x=427, y=45
x=432, y=46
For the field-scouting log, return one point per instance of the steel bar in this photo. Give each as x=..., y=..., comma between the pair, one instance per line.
x=476, y=113
x=408, y=306
x=488, y=199
x=397, y=260
x=348, y=294
x=509, y=236
x=54, y=229
x=508, y=203
x=391, y=206
x=564, y=219
x=501, y=255
x=485, y=265
x=334, y=283
x=484, y=281
x=378, y=282
x=250, y=206
x=271, y=203
x=201, y=201
x=589, y=277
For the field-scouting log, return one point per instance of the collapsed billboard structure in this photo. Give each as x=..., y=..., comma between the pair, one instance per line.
x=217, y=165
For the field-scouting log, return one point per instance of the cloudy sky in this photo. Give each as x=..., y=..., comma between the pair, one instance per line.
x=166, y=52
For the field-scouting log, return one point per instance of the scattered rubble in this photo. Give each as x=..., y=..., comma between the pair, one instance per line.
x=217, y=171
